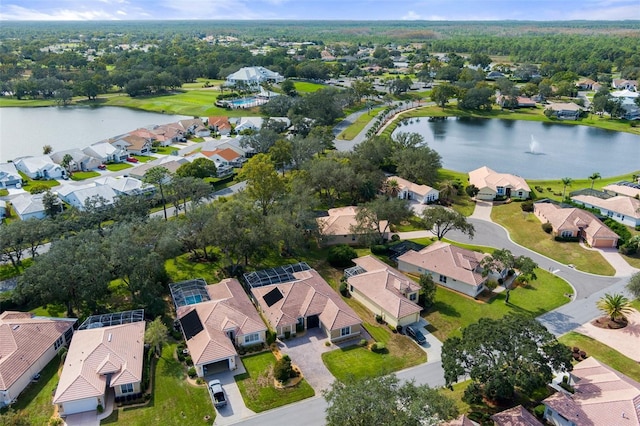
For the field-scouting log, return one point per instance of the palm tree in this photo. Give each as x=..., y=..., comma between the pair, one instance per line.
x=616, y=306
x=593, y=178
x=567, y=181
x=447, y=190
x=391, y=188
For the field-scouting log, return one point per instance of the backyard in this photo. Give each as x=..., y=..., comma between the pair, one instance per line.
x=526, y=229
x=257, y=385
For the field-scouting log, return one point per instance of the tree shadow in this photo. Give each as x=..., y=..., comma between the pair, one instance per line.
x=444, y=309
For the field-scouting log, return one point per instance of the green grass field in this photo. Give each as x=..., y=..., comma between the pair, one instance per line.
x=84, y=175
x=115, y=167
x=307, y=87
x=527, y=230
x=355, y=362
x=257, y=385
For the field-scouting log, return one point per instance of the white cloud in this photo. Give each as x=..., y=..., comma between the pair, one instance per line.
x=121, y=13
x=13, y=12
x=611, y=12
x=411, y=16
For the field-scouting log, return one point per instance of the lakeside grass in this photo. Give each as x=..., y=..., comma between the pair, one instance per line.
x=526, y=230
x=576, y=184
x=354, y=129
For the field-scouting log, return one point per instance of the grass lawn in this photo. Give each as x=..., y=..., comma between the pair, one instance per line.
x=35, y=403
x=27, y=182
x=557, y=187
x=164, y=150
x=182, y=268
x=115, y=167
x=8, y=271
x=463, y=204
x=413, y=224
x=603, y=353
x=257, y=385
x=526, y=230
x=84, y=175
x=354, y=129
x=171, y=397
x=143, y=158
x=453, y=311
x=307, y=87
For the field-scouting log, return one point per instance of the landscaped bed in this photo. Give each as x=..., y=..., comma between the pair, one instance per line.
x=257, y=385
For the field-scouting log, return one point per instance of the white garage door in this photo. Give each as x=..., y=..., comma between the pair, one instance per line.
x=88, y=404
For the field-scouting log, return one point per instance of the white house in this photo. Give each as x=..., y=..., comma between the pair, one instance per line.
x=253, y=77
x=106, y=352
x=9, y=175
x=106, y=153
x=248, y=123
x=28, y=206
x=628, y=97
x=29, y=343
x=41, y=167
x=80, y=161
x=78, y=197
x=408, y=190
x=620, y=208
x=126, y=185
x=492, y=184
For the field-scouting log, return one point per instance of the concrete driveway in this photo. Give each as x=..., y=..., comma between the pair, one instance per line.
x=235, y=410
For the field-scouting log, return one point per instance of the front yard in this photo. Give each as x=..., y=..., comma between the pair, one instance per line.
x=452, y=311
x=526, y=230
x=116, y=167
x=257, y=385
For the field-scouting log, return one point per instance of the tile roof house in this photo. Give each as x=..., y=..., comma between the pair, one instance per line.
x=412, y=191
x=169, y=162
x=620, y=208
x=622, y=84
x=336, y=227
x=575, y=223
x=225, y=157
x=28, y=206
x=134, y=145
x=226, y=321
x=520, y=101
x=384, y=290
x=41, y=167
x=27, y=344
x=248, y=123
x=306, y=301
x=451, y=266
x=516, y=416
x=101, y=356
x=220, y=124
x=9, y=175
x=493, y=184
x=105, y=195
x=463, y=420
x=80, y=161
x=106, y=153
x=603, y=396
x=167, y=134
x=564, y=110
x=126, y=185
x=195, y=126
x=628, y=189
x=253, y=76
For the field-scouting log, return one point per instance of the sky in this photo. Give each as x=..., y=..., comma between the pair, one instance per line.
x=452, y=10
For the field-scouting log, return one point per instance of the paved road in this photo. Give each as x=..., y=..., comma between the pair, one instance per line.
x=226, y=192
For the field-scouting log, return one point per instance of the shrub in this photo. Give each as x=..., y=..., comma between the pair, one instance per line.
x=547, y=227
x=340, y=256
x=343, y=288
x=363, y=342
x=378, y=347
x=271, y=337
x=379, y=249
x=191, y=372
x=379, y=319
x=472, y=190
x=396, y=237
x=55, y=421
x=492, y=284
x=100, y=409
x=539, y=189
x=38, y=188
x=392, y=328
x=527, y=206
x=199, y=381
x=549, y=189
x=188, y=360
x=620, y=229
x=282, y=370
x=539, y=411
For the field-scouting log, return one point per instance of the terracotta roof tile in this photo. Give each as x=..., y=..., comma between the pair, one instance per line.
x=516, y=416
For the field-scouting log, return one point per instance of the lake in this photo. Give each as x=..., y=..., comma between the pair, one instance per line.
x=530, y=149
x=24, y=131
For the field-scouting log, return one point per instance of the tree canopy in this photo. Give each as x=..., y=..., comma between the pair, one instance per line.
x=442, y=220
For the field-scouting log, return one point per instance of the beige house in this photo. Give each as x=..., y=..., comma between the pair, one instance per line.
x=516, y=416
x=384, y=291
x=603, y=396
x=451, y=266
x=628, y=189
x=301, y=299
x=564, y=110
x=27, y=344
x=336, y=227
x=576, y=223
x=408, y=190
x=106, y=353
x=134, y=145
x=493, y=184
x=216, y=323
x=620, y=208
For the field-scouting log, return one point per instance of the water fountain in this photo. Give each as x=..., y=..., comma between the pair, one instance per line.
x=534, y=147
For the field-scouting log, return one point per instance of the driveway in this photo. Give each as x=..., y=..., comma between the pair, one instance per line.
x=235, y=411
x=482, y=210
x=433, y=347
x=615, y=259
x=625, y=340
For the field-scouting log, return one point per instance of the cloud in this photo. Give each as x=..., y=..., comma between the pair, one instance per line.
x=608, y=12
x=411, y=16
x=14, y=12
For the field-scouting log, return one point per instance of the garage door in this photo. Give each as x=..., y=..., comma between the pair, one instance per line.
x=88, y=404
x=216, y=367
x=313, y=321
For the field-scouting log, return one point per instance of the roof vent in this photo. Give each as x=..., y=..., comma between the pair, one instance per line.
x=109, y=338
x=15, y=327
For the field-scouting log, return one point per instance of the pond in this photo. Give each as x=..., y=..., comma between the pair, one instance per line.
x=530, y=149
x=24, y=131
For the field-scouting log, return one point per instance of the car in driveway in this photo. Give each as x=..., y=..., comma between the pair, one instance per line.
x=415, y=334
x=132, y=159
x=217, y=393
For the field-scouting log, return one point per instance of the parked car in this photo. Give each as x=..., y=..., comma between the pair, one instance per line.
x=415, y=334
x=102, y=167
x=217, y=393
x=132, y=159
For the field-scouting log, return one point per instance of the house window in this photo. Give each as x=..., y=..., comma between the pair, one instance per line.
x=250, y=338
x=68, y=334
x=345, y=331
x=351, y=288
x=58, y=343
x=413, y=297
x=128, y=388
x=500, y=190
x=443, y=279
x=566, y=234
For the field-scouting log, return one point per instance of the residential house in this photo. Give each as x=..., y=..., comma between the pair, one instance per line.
x=628, y=102
x=78, y=197
x=170, y=162
x=336, y=227
x=575, y=223
x=215, y=320
x=248, y=123
x=253, y=77
x=493, y=184
x=9, y=175
x=585, y=84
x=145, y=133
x=106, y=353
x=463, y=420
x=629, y=189
x=134, y=145
x=3, y=210
x=28, y=206
x=603, y=396
x=450, y=266
x=516, y=416
x=620, y=208
x=384, y=290
x=623, y=84
x=80, y=162
x=408, y=190
x=520, y=102
x=225, y=157
x=106, y=153
x=27, y=344
x=564, y=110
x=495, y=75
x=41, y=167
x=295, y=298
x=168, y=134
x=195, y=126
x=126, y=185
x=220, y=125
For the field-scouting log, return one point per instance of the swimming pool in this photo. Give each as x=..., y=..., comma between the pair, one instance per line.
x=247, y=102
x=193, y=299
